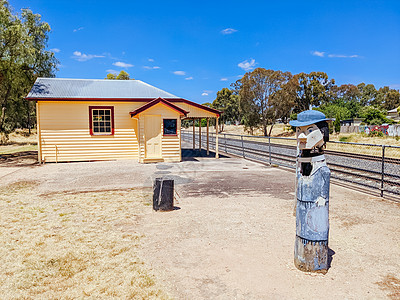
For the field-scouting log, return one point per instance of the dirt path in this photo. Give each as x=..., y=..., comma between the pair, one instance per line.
x=233, y=236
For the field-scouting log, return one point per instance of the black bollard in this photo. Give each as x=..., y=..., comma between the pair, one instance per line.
x=163, y=194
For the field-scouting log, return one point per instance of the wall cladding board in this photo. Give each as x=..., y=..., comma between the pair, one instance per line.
x=65, y=134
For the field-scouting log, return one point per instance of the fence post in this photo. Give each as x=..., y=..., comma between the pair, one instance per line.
x=269, y=147
x=383, y=168
x=242, y=146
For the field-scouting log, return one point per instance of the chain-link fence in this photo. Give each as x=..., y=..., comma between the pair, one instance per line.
x=372, y=166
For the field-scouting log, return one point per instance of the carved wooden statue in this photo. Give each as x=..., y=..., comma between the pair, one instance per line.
x=312, y=208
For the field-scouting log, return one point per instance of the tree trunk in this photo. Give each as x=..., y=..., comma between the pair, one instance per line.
x=3, y=109
x=29, y=116
x=270, y=129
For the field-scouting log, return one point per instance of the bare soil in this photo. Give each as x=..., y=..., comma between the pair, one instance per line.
x=233, y=239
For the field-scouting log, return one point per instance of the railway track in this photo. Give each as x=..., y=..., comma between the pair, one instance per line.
x=360, y=169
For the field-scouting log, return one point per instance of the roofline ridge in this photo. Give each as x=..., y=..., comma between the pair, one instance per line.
x=89, y=79
x=157, y=88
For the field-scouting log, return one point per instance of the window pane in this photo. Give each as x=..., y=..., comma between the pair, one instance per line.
x=170, y=126
x=102, y=121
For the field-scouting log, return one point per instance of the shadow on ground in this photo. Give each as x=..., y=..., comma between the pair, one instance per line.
x=19, y=159
x=191, y=155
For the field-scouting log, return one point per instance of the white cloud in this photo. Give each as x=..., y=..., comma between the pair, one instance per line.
x=318, y=53
x=78, y=29
x=79, y=56
x=122, y=64
x=189, y=78
x=322, y=54
x=180, y=73
x=204, y=94
x=224, y=79
x=151, y=68
x=228, y=31
x=112, y=71
x=247, y=65
x=150, y=59
x=343, y=56
x=55, y=50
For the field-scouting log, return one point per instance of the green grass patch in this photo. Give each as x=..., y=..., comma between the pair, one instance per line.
x=10, y=149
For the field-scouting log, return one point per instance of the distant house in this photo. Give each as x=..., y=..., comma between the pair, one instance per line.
x=88, y=119
x=393, y=115
x=351, y=122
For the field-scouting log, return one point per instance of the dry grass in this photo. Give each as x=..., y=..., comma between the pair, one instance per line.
x=9, y=149
x=20, y=141
x=391, y=284
x=68, y=246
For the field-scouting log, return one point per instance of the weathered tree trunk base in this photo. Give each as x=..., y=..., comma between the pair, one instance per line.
x=311, y=256
x=163, y=194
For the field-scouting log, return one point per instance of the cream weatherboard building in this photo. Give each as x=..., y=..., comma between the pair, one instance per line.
x=88, y=119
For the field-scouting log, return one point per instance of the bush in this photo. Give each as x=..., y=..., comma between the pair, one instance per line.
x=376, y=122
x=375, y=133
x=336, y=123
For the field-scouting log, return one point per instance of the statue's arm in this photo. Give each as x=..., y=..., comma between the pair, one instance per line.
x=324, y=196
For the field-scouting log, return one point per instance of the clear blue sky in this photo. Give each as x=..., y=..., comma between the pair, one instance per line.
x=195, y=48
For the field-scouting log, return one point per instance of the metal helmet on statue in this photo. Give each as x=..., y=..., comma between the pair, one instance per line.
x=312, y=205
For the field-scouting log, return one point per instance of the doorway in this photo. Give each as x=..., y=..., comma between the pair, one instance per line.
x=152, y=127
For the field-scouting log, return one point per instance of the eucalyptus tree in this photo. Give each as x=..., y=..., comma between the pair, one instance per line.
x=387, y=98
x=228, y=103
x=123, y=75
x=23, y=58
x=313, y=89
x=261, y=95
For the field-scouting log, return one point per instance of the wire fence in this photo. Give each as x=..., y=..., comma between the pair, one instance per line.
x=375, y=167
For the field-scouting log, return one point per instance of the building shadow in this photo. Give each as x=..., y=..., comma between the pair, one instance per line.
x=191, y=155
x=19, y=159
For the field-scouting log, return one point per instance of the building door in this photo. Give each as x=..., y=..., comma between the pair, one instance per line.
x=152, y=129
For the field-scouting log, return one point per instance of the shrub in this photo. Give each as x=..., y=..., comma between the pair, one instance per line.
x=376, y=133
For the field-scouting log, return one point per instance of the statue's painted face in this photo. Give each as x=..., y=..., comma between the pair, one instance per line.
x=309, y=137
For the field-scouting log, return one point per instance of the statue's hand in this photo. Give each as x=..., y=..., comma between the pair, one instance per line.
x=320, y=201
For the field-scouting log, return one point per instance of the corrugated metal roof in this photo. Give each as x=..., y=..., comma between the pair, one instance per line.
x=94, y=89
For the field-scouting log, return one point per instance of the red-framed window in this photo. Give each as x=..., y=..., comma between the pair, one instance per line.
x=170, y=126
x=101, y=120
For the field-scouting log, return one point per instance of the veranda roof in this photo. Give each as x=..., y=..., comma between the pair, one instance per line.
x=156, y=101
